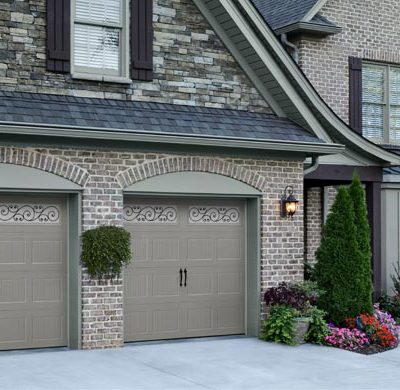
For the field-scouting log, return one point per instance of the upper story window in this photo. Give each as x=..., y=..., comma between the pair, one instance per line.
x=100, y=39
x=381, y=103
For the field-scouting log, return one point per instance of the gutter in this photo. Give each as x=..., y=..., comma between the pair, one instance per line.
x=292, y=47
x=309, y=148
x=313, y=167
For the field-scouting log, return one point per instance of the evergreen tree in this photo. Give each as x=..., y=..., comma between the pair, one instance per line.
x=337, y=270
x=363, y=237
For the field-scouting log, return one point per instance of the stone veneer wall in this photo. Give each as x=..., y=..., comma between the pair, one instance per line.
x=370, y=30
x=103, y=174
x=191, y=65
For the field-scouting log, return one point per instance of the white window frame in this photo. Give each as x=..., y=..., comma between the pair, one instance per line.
x=386, y=103
x=97, y=74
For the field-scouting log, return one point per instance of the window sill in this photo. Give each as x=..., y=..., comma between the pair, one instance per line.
x=102, y=78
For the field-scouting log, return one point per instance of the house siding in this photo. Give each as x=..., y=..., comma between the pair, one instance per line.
x=370, y=31
x=191, y=65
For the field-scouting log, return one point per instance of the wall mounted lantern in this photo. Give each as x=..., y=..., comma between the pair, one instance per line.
x=289, y=203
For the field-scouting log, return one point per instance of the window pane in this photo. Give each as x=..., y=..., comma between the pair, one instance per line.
x=99, y=10
x=394, y=132
x=372, y=118
x=97, y=47
x=395, y=86
x=373, y=79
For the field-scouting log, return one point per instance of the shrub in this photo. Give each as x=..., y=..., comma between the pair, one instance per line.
x=363, y=238
x=318, y=330
x=338, y=270
x=105, y=250
x=396, y=278
x=345, y=338
x=286, y=294
x=390, y=305
x=279, y=326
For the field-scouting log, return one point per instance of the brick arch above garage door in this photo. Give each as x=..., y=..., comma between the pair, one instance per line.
x=44, y=162
x=195, y=164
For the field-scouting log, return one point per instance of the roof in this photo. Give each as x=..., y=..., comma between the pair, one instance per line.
x=146, y=118
x=280, y=14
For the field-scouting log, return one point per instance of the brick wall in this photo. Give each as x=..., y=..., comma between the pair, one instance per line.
x=370, y=31
x=103, y=174
x=191, y=65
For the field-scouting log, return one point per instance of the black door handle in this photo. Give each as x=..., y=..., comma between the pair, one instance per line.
x=180, y=277
x=185, y=271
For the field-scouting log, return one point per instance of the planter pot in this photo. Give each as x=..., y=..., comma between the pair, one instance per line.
x=301, y=326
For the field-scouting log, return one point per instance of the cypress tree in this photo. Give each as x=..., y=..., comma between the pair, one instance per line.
x=363, y=237
x=337, y=270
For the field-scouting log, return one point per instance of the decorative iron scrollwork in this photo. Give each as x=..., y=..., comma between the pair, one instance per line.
x=214, y=214
x=28, y=213
x=150, y=214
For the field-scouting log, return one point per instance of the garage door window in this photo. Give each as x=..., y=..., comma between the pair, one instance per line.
x=29, y=213
x=214, y=214
x=150, y=213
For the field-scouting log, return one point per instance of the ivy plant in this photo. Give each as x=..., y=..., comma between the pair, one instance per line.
x=279, y=325
x=105, y=251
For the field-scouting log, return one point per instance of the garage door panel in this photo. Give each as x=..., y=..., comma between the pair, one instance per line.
x=212, y=252
x=33, y=272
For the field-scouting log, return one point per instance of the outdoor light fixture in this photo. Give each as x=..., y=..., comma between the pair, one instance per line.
x=288, y=202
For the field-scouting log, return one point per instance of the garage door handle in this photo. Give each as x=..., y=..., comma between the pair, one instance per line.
x=180, y=277
x=185, y=276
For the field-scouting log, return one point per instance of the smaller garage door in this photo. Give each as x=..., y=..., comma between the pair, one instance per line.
x=187, y=278
x=33, y=272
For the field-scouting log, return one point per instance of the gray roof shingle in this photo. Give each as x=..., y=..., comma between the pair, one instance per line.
x=146, y=118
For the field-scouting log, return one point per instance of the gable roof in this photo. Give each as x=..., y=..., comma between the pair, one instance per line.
x=279, y=79
x=285, y=16
x=131, y=117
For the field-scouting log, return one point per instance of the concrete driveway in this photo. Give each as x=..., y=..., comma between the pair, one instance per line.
x=222, y=363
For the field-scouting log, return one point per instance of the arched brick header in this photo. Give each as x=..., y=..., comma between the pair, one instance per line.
x=44, y=162
x=195, y=164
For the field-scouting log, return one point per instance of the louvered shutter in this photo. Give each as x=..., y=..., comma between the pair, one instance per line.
x=58, y=35
x=142, y=40
x=373, y=102
x=355, y=94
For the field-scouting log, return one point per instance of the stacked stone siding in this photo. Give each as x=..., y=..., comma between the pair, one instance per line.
x=370, y=31
x=191, y=65
x=104, y=174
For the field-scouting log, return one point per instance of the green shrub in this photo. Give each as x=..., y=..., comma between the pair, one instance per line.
x=279, y=325
x=318, y=328
x=105, y=250
x=391, y=305
x=338, y=271
x=363, y=237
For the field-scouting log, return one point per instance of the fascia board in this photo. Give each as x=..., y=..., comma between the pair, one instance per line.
x=314, y=10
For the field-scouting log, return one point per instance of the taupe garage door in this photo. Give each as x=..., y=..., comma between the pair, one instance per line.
x=187, y=278
x=33, y=271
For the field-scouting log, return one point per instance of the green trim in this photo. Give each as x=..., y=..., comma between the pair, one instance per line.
x=309, y=27
x=19, y=177
x=74, y=272
x=253, y=243
x=118, y=134
x=198, y=183
x=314, y=10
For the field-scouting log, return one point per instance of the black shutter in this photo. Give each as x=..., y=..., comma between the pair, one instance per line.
x=58, y=35
x=355, y=94
x=142, y=39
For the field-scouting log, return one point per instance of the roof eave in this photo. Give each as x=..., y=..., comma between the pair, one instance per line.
x=305, y=148
x=309, y=28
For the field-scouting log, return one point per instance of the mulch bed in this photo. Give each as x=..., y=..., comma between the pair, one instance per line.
x=373, y=349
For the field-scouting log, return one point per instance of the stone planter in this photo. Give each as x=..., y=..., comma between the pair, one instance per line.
x=301, y=326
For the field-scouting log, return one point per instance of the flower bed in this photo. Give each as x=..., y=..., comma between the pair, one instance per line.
x=366, y=333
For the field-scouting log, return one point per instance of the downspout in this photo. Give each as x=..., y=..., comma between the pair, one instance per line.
x=313, y=167
x=292, y=48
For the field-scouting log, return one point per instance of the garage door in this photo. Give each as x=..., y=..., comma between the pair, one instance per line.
x=187, y=275
x=33, y=270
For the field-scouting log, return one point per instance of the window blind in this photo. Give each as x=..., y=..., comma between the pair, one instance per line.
x=394, y=131
x=373, y=113
x=100, y=11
